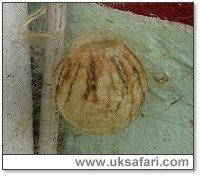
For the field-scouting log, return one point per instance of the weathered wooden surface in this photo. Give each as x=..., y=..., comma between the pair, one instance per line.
x=17, y=97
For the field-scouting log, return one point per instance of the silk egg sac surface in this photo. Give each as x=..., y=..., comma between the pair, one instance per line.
x=99, y=84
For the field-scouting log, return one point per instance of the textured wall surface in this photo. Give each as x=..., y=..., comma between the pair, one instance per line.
x=165, y=122
x=17, y=97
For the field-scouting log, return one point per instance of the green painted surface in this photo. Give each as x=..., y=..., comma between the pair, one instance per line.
x=164, y=124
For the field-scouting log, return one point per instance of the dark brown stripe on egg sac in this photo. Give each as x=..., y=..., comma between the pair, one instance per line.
x=121, y=71
x=72, y=82
x=135, y=72
x=91, y=81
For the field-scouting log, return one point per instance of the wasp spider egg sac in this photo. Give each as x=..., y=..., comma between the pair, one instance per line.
x=99, y=84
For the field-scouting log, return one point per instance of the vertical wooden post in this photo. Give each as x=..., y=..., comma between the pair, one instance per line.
x=17, y=96
x=54, y=52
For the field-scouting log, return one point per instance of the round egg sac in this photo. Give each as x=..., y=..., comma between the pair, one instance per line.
x=100, y=84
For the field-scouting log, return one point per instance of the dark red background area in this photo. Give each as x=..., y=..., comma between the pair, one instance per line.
x=177, y=12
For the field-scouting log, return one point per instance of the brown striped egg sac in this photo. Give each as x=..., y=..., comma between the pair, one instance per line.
x=100, y=84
